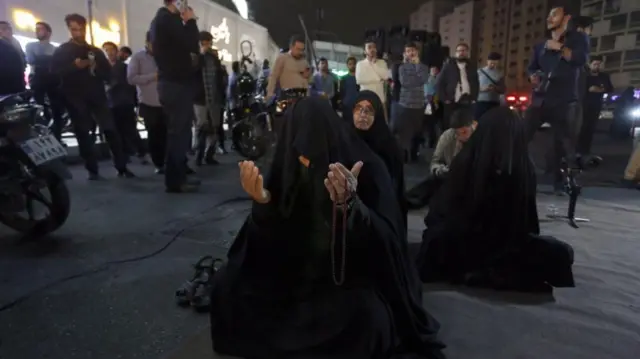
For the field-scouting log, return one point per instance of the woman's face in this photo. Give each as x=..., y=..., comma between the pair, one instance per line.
x=363, y=115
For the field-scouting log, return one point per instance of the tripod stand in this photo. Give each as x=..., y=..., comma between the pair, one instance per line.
x=573, y=189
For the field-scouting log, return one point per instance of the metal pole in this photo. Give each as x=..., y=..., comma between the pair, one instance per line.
x=309, y=43
x=90, y=20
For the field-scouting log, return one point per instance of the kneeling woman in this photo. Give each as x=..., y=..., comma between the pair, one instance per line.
x=320, y=267
x=482, y=226
x=370, y=125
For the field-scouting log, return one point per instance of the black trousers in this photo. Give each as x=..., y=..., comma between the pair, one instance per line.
x=86, y=112
x=590, y=116
x=565, y=129
x=126, y=123
x=53, y=112
x=155, y=121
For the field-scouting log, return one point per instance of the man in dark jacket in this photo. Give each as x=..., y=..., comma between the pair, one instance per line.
x=174, y=36
x=208, y=101
x=11, y=63
x=457, y=84
x=121, y=96
x=84, y=70
x=43, y=82
x=554, y=72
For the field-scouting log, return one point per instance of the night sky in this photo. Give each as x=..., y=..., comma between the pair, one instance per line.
x=346, y=19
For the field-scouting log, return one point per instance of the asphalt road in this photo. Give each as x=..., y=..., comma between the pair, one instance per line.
x=120, y=310
x=72, y=304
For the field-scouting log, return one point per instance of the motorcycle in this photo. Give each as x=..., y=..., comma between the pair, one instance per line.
x=250, y=122
x=30, y=162
x=251, y=128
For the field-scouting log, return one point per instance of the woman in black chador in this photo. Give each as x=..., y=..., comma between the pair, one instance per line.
x=320, y=267
x=370, y=124
x=482, y=226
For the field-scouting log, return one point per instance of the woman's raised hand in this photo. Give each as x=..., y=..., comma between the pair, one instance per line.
x=252, y=182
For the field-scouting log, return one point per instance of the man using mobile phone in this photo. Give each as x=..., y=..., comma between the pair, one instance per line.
x=174, y=38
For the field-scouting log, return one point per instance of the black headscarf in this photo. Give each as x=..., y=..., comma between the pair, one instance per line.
x=313, y=130
x=482, y=226
x=497, y=155
x=490, y=192
x=381, y=141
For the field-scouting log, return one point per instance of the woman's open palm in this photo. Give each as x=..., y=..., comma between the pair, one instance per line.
x=252, y=181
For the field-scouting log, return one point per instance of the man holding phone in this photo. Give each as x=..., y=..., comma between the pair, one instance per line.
x=174, y=38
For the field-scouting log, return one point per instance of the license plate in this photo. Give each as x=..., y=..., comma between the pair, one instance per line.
x=607, y=115
x=43, y=149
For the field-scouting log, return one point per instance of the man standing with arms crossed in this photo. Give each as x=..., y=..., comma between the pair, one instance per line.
x=174, y=35
x=372, y=73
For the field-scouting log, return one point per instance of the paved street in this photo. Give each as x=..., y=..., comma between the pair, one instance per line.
x=127, y=310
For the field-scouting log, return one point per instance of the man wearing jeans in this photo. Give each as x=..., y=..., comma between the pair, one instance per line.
x=174, y=37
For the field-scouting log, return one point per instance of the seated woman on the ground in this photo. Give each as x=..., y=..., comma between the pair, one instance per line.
x=370, y=124
x=449, y=145
x=320, y=267
x=482, y=226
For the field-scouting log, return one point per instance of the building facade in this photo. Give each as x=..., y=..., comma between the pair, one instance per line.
x=337, y=54
x=459, y=26
x=511, y=28
x=616, y=37
x=426, y=17
x=125, y=22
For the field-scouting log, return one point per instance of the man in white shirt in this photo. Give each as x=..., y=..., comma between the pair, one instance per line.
x=372, y=73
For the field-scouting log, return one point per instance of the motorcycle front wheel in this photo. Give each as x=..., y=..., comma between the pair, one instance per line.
x=250, y=138
x=58, y=206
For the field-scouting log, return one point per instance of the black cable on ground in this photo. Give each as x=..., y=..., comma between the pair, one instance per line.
x=107, y=265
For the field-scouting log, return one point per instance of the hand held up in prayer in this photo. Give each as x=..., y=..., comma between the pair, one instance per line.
x=341, y=182
x=252, y=182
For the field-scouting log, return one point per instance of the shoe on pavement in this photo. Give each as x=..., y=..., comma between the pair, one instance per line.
x=125, y=173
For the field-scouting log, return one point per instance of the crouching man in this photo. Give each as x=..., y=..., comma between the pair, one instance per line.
x=449, y=145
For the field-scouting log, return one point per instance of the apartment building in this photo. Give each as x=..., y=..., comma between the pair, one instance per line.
x=427, y=15
x=616, y=37
x=459, y=26
x=511, y=28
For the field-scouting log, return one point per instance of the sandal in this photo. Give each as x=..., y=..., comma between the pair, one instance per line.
x=194, y=292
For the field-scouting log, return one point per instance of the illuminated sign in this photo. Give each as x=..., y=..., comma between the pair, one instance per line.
x=221, y=32
x=26, y=21
x=224, y=54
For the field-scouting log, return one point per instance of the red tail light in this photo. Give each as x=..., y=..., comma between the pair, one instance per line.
x=511, y=99
x=523, y=98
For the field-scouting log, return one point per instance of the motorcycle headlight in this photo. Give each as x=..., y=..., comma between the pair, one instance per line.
x=635, y=113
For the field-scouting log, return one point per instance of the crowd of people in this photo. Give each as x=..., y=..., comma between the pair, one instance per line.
x=321, y=268
x=177, y=84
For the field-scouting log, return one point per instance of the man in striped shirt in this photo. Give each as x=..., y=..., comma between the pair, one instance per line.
x=409, y=114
